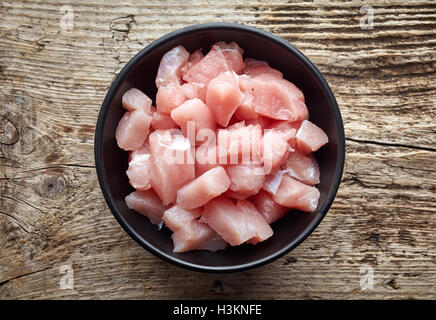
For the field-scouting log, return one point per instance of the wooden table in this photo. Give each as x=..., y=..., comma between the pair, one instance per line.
x=54, y=221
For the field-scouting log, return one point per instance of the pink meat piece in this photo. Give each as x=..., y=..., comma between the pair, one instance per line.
x=205, y=156
x=210, y=66
x=132, y=130
x=197, y=236
x=246, y=178
x=239, y=143
x=223, y=97
x=172, y=163
x=237, y=195
x=297, y=195
x=232, y=53
x=302, y=167
x=274, y=149
x=162, y=121
x=310, y=137
x=267, y=207
x=170, y=97
x=193, y=59
x=246, y=110
x=135, y=99
x=190, y=234
x=255, y=68
x=273, y=181
x=170, y=67
x=263, y=230
x=139, y=165
x=148, y=204
x=204, y=188
x=288, y=128
x=263, y=122
x=176, y=218
x=236, y=224
x=196, y=112
x=278, y=98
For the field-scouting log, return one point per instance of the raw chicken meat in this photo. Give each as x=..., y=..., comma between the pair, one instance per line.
x=170, y=67
x=162, y=121
x=189, y=233
x=227, y=151
x=197, y=236
x=273, y=149
x=148, y=204
x=278, y=98
x=302, y=167
x=236, y=224
x=196, y=112
x=138, y=171
x=135, y=99
x=297, y=195
x=255, y=68
x=170, y=97
x=172, y=163
x=270, y=210
x=247, y=179
x=223, y=97
x=310, y=137
x=204, y=188
x=132, y=130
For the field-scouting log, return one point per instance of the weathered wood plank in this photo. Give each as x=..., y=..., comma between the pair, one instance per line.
x=52, y=212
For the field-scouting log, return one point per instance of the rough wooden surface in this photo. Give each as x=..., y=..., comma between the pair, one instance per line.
x=52, y=213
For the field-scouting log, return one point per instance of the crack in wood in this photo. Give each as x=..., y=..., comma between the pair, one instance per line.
x=389, y=144
x=22, y=275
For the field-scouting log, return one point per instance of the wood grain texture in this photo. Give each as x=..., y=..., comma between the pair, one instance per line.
x=52, y=213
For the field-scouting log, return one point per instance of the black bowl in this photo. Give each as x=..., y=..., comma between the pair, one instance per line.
x=140, y=72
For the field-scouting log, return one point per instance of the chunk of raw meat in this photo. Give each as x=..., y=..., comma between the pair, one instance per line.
x=239, y=144
x=135, y=99
x=148, y=204
x=236, y=195
x=310, y=137
x=263, y=230
x=197, y=236
x=267, y=207
x=255, y=68
x=288, y=128
x=278, y=98
x=162, y=121
x=132, y=130
x=170, y=66
x=176, y=218
x=273, y=149
x=196, y=112
x=273, y=181
x=236, y=224
x=297, y=195
x=195, y=57
x=189, y=233
x=246, y=178
x=223, y=97
x=138, y=171
x=213, y=64
x=246, y=110
x=205, y=156
x=191, y=91
x=302, y=167
x=233, y=54
x=204, y=188
x=170, y=97
x=172, y=163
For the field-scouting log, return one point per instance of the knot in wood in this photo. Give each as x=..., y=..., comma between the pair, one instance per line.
x=8, y=131
x=52, y=186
